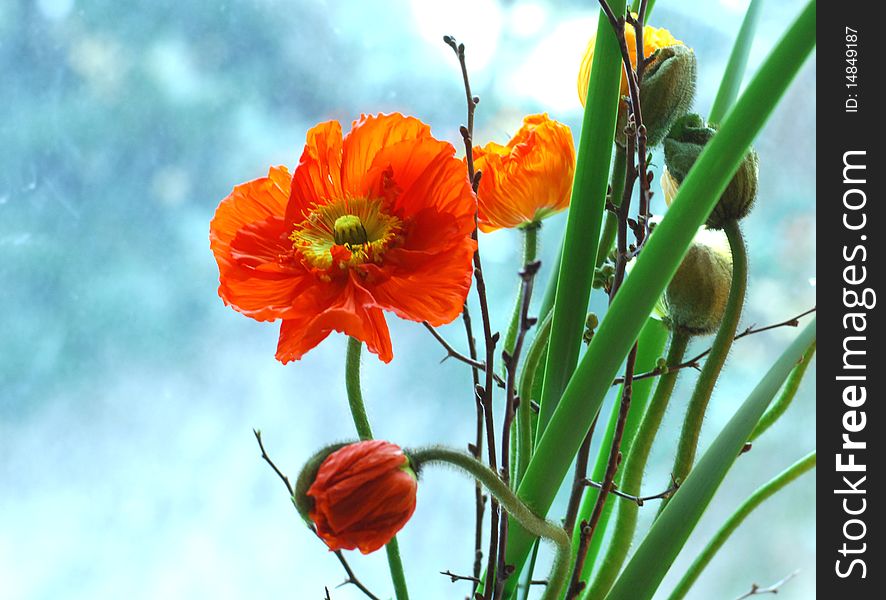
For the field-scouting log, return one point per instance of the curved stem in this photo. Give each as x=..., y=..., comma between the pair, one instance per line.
x=704, y=387
x=756, y=499
x=632, y=477
x=530, y=250
x=515, y=507
x=355, y=393
x=779, y=407
x=364, y=430
x=525, y=433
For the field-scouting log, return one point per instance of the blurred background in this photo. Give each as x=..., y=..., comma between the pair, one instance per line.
x=128, y=391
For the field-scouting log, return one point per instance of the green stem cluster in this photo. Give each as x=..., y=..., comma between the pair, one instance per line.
x=756, y=499
x=569, y=415
x=632, y=474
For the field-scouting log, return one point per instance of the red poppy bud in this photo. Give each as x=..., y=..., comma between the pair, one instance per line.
x=362, y=495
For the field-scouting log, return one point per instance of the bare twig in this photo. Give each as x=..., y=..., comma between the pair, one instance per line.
x=352, y=578
x=511, y=360
x=484, y=392
x=756, y=590
x=451, y=352
x=638, y=500
x=693, y=362
x=476, y=449
x=268, y=460
x=635, y=142
x=454, y=577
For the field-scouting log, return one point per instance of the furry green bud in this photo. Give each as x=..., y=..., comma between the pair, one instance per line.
x=666, y=92
x=695, y=300
x=682, y=147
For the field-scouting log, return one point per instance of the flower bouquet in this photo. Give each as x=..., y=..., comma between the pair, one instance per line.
x=388, y=218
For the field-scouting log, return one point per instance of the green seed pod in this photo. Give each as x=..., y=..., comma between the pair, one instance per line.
x=695, y=299
x=666, y=93
x=682, y=147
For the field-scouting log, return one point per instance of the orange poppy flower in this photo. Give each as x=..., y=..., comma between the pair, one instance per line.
x=363, y=494
x=653, y=39
x=378, y=220
x=528, y=179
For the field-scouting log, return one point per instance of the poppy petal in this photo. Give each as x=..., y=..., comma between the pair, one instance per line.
x=256, y=274
x=317, y=177
x=368, y=136
x=353, y=313
x=425, y=287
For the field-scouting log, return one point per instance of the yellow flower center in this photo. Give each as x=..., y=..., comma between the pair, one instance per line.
x=358, y=225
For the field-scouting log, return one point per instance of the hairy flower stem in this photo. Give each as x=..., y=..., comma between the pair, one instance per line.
x=525, y=418
x=530, y=251
x=515, y=508
x=364, y=430
x=707, y=379
x=632, y=474
x=784, y=400
x=762, y=494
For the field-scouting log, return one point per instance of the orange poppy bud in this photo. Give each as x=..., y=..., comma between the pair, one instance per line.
x=362, y=495
x=528, y=179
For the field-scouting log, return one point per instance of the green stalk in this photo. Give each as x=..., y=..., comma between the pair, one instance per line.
x=610, y=224
x=364, y=430
x=756, y=499
x=530, y=250
x=738, y=62
x=525, y=426
x=515, y=508
x=707, y=379
x=787, y=396
x=636, y=6
x=632, y=478
x=530, y=570
x=650, y=346
x=668, y=534
x=585, y=216
x=653, y=269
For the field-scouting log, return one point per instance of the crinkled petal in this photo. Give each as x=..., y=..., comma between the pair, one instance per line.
x=421, y=286
x=317, y=178
x=351, y=312
x=257, y=275
x=369, y=135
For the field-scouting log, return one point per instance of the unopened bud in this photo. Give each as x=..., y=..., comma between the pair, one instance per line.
x=682, y=147
x=695, y=300
x=666, y=92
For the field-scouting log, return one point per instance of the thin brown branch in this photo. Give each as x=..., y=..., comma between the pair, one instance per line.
x=484, y=392
x=476, y=450
x=455, y=577
x=756, y=590
x=511, y=360
x=635, y=142
x=268, y=460
x=694, y=361
x=451, y=352
x=638, y=500
x=352, y=578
